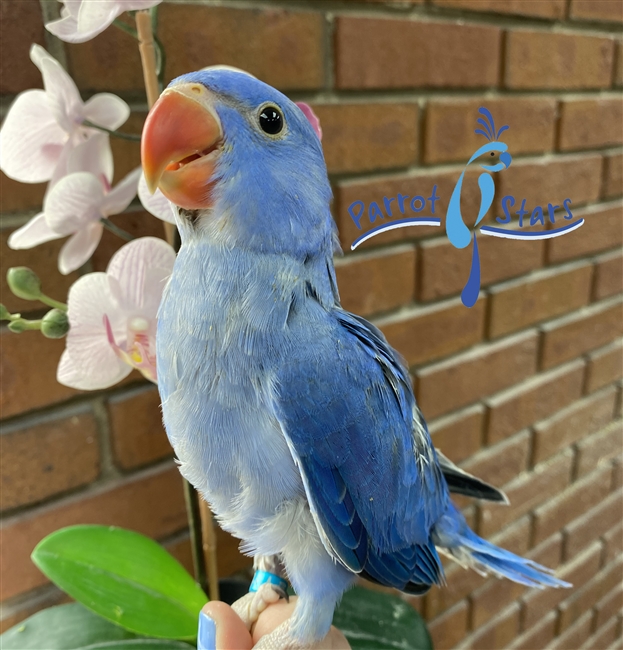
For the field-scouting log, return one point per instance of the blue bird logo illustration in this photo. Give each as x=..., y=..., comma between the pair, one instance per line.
x=460, y=234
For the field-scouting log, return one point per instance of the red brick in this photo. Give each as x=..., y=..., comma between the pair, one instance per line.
x=578, y=572
x=49, y=458
x=536, y=399
x=548, y=60
x=613, y=540
x=459, y=435
x=538, y=8
x=378, y=281
x=498, y=633
x=602, y=230
x=444, y=269
x=283, y=48
x=22, y=25
x=447, y=630
x=450, y=123
x=137, y=432
x=368, y=136
x=549, y=552
x=546, y=181
x=575, y=635
x=125, y=502
x=576, y=500
x=28, y=368
x=15, y=197
x=573, y=423
x=588, y=596
x=525, y=492
x=605, y=636
x=613, y=175
x=472, y=375
x=446, y=328
x=593, y=524
x=604, y=366
x=590, y=123
x=395, y=53
x=609, y=606
x=608, y=275
x=502, y=462
x=538, y=636
x=608, y=10
x=590, y=328
x=618, y=64
x=599, y=448
x=517, y=304
x=43, y=261
x=412, y=185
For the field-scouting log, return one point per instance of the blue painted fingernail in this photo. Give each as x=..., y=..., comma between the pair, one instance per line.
x=206, y=636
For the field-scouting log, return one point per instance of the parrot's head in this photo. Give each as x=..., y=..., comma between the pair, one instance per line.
x=241, y=161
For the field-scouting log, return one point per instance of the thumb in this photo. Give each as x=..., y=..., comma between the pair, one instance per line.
x=220, y=628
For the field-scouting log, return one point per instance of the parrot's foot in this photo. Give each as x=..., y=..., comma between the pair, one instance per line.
x=251, y=605
x=281, y=638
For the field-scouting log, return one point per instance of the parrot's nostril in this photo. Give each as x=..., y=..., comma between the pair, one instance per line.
x=196, y=89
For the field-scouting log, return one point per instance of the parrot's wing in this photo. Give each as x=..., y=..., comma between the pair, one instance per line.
x=346, y=408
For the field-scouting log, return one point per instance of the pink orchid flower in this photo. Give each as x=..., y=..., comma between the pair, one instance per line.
x=156, y=203
x=77, y=204
x=43, y=127
x=81, y=20
x=112, y=317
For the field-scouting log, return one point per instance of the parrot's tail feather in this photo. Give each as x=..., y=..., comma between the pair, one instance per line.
x=454, y=538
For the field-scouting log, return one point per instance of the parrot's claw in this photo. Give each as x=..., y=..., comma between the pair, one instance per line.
x=251, y=605
x=281, y=638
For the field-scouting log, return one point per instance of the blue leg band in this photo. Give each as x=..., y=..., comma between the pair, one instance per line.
x=261, y=577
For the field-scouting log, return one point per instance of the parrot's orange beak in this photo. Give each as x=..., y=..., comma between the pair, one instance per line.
x=181, y=141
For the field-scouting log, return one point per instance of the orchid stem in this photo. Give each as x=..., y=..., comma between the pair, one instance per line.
x=124, y=27
x=109, y=225
x=117, y=134
x=50, y=302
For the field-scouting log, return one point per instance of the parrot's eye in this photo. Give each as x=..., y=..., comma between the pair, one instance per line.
x=271, y=119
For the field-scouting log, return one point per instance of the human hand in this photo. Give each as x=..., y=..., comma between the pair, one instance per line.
x=220, y=628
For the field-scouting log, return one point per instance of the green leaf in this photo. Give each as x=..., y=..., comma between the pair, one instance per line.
x=124, y=577
x=72, y=627
x=372, y=620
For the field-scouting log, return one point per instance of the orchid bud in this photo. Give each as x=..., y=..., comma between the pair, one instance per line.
x=5, y=314
x=24, y=283
x=18, y=326
x=55, y=324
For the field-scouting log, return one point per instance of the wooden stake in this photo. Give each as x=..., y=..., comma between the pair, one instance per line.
x=208, y=532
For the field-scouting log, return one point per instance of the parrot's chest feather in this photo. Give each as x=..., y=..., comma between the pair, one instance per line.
x=219, y=339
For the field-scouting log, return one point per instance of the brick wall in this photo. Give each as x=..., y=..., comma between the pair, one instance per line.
x=523, y=389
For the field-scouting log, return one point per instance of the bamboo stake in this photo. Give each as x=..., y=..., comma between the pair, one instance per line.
x=208, y=532
x=148, y=59
x=208, y=560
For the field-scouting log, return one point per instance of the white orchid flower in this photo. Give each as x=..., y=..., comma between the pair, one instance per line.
x=112, y=317
x=43, y=127
x=81, y=20
x=156, y=203
x=77, y=204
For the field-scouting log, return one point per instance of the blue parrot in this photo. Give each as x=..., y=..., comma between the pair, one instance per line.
x=294, y=418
